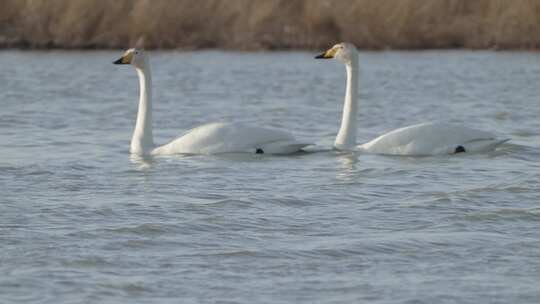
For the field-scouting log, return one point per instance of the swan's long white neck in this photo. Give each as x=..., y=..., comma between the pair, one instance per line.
x=143, y=141
x=346, y=138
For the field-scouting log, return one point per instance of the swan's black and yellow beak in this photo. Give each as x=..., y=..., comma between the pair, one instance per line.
x=125, y=59
x=327, y=55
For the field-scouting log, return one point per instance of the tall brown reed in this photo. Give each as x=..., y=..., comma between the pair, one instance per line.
x=270, y=24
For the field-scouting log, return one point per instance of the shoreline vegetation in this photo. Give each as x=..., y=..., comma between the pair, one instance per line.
x=270, y=24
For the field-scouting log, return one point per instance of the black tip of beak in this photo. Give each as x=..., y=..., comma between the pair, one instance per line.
x=321, y=56
x=119, y=61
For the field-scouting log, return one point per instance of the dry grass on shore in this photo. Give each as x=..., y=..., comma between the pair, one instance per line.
x=270, y=24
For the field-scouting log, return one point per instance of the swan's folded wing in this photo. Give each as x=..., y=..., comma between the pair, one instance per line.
x=282, y=147
x=216, y=138
x=431, y=139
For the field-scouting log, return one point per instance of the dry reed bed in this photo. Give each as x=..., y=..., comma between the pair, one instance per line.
x=270, y=24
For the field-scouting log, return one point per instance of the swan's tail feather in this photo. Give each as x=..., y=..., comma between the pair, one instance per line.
x=484, y=145
x=282, y=147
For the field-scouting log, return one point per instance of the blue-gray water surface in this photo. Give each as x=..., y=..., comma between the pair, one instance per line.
x=83, y=222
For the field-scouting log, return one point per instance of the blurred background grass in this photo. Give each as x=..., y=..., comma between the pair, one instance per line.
x=270, y=24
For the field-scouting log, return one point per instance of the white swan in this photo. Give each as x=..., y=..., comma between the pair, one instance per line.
x=420, y=139
x=211, y=138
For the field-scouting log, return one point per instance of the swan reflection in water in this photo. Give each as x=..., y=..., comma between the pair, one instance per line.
x=143, y=162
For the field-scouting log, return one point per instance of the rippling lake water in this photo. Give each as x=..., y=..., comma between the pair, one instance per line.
x=82, y=222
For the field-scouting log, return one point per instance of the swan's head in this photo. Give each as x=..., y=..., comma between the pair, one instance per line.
x=134, y=57
x=344, y=52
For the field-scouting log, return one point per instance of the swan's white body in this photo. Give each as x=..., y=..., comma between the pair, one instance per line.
x=431, y=139
x=420, y=139
x=210, y=138
x=216, y=138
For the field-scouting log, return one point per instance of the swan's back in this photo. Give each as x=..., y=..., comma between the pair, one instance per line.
x=431, y=139
x=216, y=138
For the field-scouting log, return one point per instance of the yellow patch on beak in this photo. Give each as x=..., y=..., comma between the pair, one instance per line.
x=328, y=54
x=125, y=59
